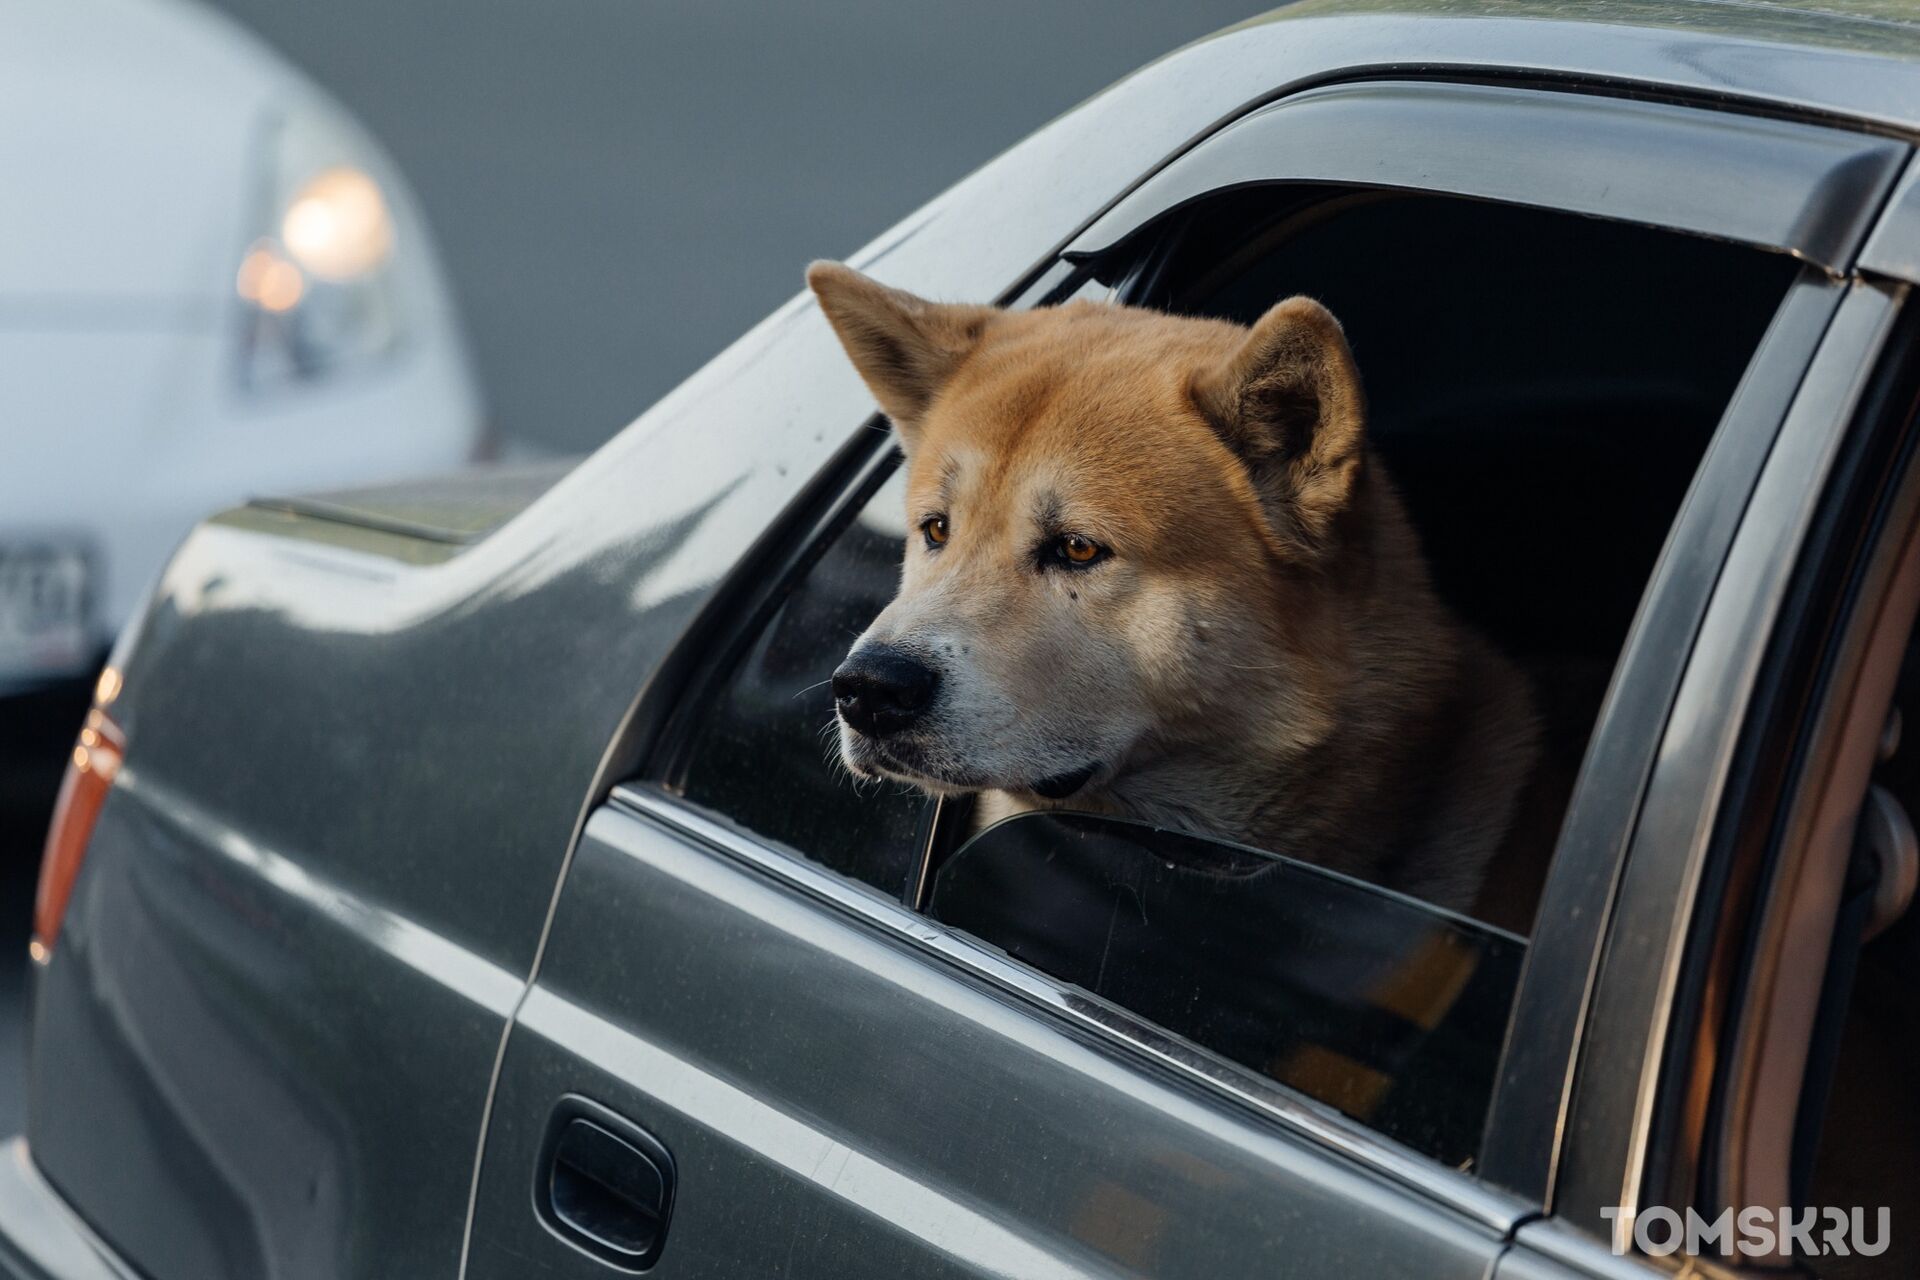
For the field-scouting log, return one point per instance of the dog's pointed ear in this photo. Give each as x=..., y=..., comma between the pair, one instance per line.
x=1288, y=402
x=904, y=347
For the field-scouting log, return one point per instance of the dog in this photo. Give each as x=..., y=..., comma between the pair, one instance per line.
x=1155, y=570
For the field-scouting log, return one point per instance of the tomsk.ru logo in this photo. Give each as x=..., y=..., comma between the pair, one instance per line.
x=1753, y=1232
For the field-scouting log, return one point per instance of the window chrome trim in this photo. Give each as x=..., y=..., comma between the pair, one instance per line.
x=1450, y=1188
x=1811, y=190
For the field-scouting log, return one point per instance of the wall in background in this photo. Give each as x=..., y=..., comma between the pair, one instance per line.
x=621, y=187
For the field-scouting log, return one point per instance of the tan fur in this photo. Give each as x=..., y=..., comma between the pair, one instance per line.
x=1261, y=655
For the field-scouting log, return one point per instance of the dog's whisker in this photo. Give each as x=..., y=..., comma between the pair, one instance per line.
x=800, y=693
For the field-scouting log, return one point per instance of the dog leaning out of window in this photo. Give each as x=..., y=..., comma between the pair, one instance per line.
x=1155, y=569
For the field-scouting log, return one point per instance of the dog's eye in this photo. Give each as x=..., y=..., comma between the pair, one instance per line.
x=934, y=529
x=1078, y=550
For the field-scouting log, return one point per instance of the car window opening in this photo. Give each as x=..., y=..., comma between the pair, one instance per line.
x=1541, y=389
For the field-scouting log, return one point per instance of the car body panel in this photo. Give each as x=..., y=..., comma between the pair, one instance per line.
x=1549, y=1250
x=255, y=1177
x=848, y=1110
x=461, y=508
x=343, y=755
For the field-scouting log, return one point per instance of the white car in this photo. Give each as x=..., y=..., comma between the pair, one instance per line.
x=213, y=285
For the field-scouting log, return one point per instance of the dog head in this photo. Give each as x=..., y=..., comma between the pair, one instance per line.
x=1118, y=522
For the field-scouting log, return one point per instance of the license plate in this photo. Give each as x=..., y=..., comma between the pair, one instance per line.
x=43, y=609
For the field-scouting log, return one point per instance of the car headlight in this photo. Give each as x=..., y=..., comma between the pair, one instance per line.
x=315, y=281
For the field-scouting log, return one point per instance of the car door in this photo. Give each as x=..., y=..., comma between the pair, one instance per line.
x=771, y=1032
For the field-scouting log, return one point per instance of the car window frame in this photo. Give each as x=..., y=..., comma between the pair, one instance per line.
x=1622, y=1114
x=1517, y=1168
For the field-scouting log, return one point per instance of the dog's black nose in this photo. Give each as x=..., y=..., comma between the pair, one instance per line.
x=880, y=690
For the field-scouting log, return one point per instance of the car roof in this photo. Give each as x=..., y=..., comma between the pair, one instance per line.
x=1884, y=29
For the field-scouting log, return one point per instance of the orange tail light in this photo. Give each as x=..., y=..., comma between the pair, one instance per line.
x=90, y=772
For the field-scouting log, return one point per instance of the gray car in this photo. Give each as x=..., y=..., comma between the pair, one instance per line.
x=452, y=880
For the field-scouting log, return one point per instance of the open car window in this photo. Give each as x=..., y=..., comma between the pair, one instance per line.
x=1543, y=390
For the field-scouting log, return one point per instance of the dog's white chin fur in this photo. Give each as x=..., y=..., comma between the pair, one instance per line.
x=867, y=759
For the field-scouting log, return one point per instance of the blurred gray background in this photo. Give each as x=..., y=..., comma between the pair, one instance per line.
x=620, y=187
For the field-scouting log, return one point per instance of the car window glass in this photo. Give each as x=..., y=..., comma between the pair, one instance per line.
x=1371, y=1002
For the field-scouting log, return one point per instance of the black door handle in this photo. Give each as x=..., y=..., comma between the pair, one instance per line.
x=604, y=1185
